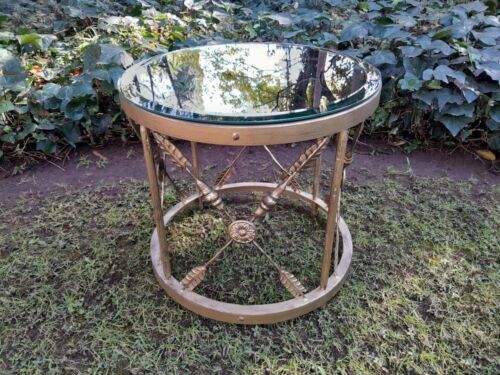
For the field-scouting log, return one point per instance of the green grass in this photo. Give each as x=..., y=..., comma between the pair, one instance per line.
x=78, y=295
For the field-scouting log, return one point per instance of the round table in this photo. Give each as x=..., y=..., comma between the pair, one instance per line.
x=250, y=94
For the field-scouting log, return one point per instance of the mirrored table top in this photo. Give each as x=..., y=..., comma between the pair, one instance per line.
x=249, y=83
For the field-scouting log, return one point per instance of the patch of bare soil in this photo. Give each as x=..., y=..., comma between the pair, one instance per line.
x=115, y=162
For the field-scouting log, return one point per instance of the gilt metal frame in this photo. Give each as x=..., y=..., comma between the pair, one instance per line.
x=322, y=129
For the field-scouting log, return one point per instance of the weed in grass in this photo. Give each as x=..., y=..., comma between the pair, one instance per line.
x=84, y=161
x=101, y=163
x=78, y=294
x=130, y=153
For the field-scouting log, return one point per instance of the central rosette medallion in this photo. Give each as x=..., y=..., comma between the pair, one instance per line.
x=242, y=231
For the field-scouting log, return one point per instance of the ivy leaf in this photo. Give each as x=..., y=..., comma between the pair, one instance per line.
x=446, y=96
x=415, y=65
x=3, y=18
x=335, y=3
x=404, y=19
x=490, y=54
x=195, y=5
x=493, y=125
x=33, y=39
x=363, y=5
x=474, y=7
x=427, y=74
x=488, y=20
x=381, y=57
x=46, y=124
x=454, y=124
x=77, y=89
x=6, y=106
x=5, y=56
x=442, y=72
x=435, y=45
x=459, y=110
x=75, y=109
x=46, y=146
x=434, y=85
x=383, y=20
x=494, y=141
x=47, y=96
x=282, y=18
x=71, y=133
x=111, y=54
x=91, y=56
x=28, y=128
x=353, y=31
x=291, y=34
x=114, y=74
x=8, y=137
x=308, y=17
x=442, y=47
x=99, y=74
x=46, y=41
x=411, y=51
x=410, y=82
x=394, y=32
x=357, y=52
x=488, y=36
x=48, y=90
x=250, y=30
x=325, y=38
x=444, y=33
x=495, y=113
x=14, y=76
x=442, y=97
x=491, y=68
x=470, y=90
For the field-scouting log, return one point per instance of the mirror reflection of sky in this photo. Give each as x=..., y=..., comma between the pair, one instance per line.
x=249, y=83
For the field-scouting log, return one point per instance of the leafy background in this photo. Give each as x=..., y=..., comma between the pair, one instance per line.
x=60, y=61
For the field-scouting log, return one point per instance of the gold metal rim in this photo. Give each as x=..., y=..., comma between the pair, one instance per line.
x=253, y=314
x=256, y=135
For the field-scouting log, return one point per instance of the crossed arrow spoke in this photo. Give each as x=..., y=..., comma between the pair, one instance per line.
x=243, y=231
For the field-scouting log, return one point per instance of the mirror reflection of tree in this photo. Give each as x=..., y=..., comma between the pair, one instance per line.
x=186, y=75
x=249, y=79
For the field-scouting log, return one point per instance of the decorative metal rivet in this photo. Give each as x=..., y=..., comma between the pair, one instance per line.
x=242, y=231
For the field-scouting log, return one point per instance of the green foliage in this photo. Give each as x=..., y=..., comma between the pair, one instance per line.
x=58, y=81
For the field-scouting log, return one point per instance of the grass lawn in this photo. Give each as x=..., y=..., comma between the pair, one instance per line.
x=78, y=295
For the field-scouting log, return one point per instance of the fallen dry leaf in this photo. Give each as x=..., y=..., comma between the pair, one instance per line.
x=76, y=72
x=486, y=154
x=36, y=69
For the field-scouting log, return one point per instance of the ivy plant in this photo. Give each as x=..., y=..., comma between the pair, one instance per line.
x=440, y=60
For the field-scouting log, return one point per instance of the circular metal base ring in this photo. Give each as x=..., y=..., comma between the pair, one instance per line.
x=253, y=314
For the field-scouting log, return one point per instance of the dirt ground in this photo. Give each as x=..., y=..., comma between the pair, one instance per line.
x=115, y=162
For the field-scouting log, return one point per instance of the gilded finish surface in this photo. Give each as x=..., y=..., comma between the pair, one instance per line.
x=252, y=314
x=330, y=94
x=241, y=231
x=244, y=231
